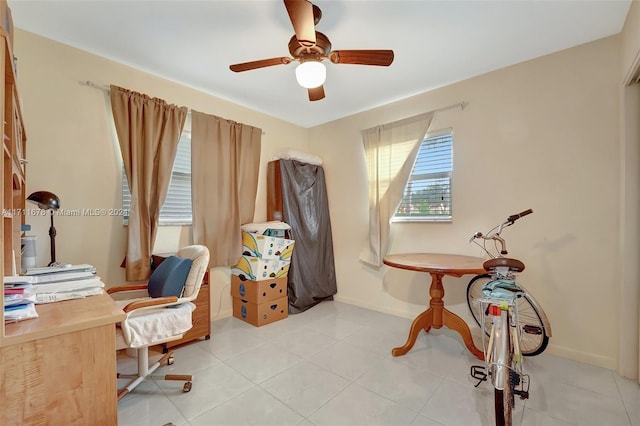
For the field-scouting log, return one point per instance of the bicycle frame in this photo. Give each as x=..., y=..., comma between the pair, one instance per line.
x=503, y=337
x=503, y=358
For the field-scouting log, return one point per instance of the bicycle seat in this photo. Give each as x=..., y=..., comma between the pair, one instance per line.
x=513, y=264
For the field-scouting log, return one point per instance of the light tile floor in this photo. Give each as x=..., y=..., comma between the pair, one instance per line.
x=332, y=365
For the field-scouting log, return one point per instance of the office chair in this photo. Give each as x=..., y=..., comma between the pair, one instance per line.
x=163, y=315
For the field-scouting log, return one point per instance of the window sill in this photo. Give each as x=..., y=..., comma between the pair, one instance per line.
x=126, y=223
x=422, y=219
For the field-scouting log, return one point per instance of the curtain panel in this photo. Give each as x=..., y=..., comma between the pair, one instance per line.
x=225, y=160
x=148, y=133
x=390, y=151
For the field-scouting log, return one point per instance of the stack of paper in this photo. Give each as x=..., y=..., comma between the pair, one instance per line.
x=19, y=299
x=56, y=283
x=65, y=290
x=48, y=270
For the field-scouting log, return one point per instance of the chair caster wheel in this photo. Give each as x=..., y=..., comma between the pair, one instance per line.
x=186, y=387
x=171, y=360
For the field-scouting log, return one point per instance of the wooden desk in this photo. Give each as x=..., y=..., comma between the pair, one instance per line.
x=438, y=265
x=60, y=368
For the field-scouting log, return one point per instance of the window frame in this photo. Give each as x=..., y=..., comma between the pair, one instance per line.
x=435, y=175
x=184, y=144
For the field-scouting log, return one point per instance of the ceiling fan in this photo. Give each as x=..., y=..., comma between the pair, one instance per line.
x=311, y=47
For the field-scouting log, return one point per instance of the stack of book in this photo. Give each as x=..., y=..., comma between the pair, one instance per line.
x=56, y=283
x=19, y=299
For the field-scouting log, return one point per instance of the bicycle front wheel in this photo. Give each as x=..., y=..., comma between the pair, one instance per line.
x=533, y=335
x=504, y=368
x=503, y=406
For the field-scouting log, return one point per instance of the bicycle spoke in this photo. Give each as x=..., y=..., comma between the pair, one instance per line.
x=531, y=344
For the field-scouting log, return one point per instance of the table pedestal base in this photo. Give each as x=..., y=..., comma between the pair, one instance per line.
x=435, y=317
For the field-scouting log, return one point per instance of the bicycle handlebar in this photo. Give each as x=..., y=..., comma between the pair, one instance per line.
x=515, y=217
x=496, y=235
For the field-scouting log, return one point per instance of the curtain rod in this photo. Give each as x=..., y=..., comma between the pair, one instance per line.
x=102, y=87
x=462, y=105
x=107, y=89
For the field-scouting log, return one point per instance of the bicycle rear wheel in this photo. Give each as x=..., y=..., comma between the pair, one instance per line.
x=533, y=334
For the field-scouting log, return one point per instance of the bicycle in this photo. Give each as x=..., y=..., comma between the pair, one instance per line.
x=510, y=317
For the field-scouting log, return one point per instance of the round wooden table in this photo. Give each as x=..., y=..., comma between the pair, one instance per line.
x=437, y=265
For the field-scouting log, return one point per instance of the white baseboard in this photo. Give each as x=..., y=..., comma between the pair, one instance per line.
x=561, y=351
x=586, y=357
x=398, y=313
x=223, y=314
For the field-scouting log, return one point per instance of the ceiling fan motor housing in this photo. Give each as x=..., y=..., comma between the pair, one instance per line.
x=319, y=51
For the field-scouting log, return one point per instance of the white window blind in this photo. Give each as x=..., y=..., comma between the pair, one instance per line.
x=427, y=195
x=176, y=209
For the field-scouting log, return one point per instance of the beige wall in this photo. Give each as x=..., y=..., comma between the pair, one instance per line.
x=72, y=151
x=543, y=134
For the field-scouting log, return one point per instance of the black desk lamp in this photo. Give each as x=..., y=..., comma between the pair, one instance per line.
x=47, y=201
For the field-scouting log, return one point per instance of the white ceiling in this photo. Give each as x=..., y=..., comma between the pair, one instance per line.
x=435, y=43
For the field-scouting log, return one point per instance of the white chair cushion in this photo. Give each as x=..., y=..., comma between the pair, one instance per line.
x=200, y=262
x=153, y=326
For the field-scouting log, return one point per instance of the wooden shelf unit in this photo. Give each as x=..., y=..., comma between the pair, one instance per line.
x=59, y=368
x=12, y=166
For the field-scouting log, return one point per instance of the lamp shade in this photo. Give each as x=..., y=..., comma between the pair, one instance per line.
x=311, y=74
x=45, y=200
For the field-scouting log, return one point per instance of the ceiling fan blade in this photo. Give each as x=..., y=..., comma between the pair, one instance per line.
x=246, y=66
x=316, y=93
x=301, y=15
x=382, y=58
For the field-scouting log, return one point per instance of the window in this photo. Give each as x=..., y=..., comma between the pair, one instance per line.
x=427, y=195
x=176, y=209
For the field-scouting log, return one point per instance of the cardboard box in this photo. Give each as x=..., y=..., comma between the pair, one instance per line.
x=258, y=291
x=260, y=314
x=257, y=269
x=266, y=247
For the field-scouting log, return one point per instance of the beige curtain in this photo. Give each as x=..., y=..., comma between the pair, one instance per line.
x=148, y=131
x=225, y=159
x=390, y=151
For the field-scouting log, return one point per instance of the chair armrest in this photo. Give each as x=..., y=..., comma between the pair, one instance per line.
x=147, y=303
x=126, y=288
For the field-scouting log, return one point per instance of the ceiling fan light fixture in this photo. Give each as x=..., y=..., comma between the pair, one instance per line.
x=311, y=74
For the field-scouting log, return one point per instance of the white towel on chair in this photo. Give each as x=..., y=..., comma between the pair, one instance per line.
x=157, y=325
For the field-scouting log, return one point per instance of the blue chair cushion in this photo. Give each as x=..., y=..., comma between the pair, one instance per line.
x=169, y=277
